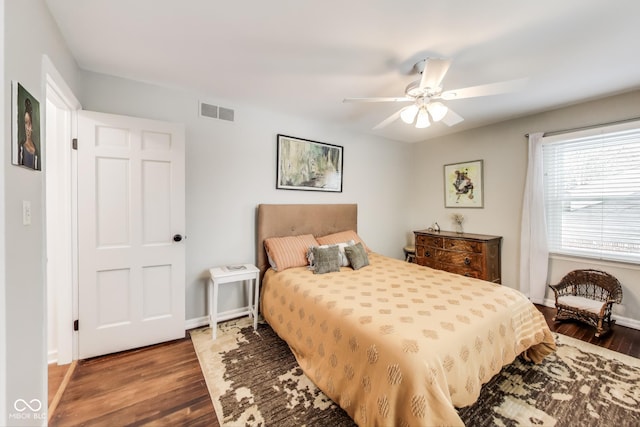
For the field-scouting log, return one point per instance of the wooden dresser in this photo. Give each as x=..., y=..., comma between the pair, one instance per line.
x=472, y=255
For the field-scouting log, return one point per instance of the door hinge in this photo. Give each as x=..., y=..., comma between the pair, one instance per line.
x=74, y=143
x=76, y=325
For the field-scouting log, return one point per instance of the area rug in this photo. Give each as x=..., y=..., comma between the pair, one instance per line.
x=254, y=380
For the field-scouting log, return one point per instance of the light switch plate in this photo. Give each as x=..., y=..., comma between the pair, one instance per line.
x=26, y=212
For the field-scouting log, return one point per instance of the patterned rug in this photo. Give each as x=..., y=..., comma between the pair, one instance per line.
x=254, y=380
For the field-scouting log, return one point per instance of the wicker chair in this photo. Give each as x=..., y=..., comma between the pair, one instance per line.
x=587, y=296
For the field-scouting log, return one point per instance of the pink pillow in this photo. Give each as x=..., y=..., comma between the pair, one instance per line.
x=341, y=237
x=290, y=251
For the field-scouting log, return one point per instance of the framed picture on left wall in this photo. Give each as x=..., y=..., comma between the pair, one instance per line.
x=26, y=150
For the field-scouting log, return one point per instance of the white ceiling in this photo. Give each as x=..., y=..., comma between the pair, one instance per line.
x=303, y=57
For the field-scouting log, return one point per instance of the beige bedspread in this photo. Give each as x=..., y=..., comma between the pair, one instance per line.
x=400, y=344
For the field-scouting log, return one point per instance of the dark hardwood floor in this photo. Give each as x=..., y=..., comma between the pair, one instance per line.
x=56, y=376
x=163, y=384
x=621, y=339
x=159, y=385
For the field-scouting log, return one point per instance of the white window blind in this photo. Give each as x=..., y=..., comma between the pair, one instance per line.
x=592, y=193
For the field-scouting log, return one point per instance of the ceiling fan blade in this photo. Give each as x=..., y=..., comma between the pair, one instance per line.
x=451, y=118
x=433, y=72
x=392, y=118
x=380, y=99
x=485, y=90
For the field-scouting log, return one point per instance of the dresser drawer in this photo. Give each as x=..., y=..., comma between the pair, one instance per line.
x=425, y=251
x=432, y=241
x=463, y=271
x=463, y=245
x=428, y=262
x=467, y=260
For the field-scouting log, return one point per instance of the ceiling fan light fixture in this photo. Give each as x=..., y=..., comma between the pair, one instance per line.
x=437, y=110
x=408, y=114
x=423, y=119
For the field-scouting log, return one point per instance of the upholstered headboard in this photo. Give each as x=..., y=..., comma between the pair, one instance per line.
x=292, y=220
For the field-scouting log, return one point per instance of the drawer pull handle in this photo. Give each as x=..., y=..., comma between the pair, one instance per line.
x=427, y=254
x=467, y=261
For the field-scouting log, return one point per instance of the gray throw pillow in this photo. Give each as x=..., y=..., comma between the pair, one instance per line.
x=344, y=262
x=357, y=256
x=326, y=260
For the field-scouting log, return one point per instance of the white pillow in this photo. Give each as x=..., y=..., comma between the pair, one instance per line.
x=344, y=261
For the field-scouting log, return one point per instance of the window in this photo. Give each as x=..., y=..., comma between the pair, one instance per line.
x=592, y=193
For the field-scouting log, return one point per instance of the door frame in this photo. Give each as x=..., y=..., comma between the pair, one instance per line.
x=60, y=209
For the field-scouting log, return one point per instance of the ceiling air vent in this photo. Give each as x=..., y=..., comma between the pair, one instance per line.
x=208, y=110
x=226, y=114
x=215, y=112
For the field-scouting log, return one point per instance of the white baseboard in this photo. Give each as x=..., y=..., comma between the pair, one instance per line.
x=196, y=322
x=620, y=320
x=625, y=321
x=225, y=315
x=52, y=357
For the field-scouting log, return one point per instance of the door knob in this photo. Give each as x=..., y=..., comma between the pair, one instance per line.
x=177, y=238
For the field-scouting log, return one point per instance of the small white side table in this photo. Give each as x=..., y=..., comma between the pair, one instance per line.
x=221, y=275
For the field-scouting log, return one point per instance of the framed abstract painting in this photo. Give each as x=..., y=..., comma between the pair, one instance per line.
x=463, y=185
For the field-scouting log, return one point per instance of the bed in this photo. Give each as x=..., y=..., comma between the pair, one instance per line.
x=392, y=343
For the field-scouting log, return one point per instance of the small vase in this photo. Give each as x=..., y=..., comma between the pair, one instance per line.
x=459, y=228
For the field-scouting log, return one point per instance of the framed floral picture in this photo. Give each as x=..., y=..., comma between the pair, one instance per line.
x=463, y=185
x=303, y=164
x=25, y=124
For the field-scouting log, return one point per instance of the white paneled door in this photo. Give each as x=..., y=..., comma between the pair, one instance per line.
x=131, y=221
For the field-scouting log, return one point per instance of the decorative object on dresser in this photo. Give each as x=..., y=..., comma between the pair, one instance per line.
x=463, y=185
x=472, y=255
x=587, y=296
x=458, y=220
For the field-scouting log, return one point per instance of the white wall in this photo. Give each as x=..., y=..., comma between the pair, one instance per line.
x=231, y=169
x=29, y=32
x=3, y=282
x=503, y=148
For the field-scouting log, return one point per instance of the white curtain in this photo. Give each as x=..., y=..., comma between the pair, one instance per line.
x=534, y=252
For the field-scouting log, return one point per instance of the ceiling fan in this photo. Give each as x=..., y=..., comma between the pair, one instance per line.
x=426, y=94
